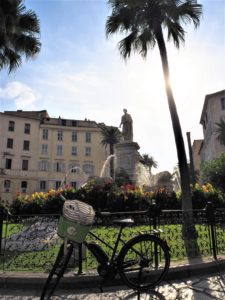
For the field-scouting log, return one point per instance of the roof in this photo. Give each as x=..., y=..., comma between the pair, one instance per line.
x=207, y=98
x=69, y=123
x=44, y=118
x=36, y=115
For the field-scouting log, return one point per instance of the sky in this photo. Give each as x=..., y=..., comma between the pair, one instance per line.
x=80, y=74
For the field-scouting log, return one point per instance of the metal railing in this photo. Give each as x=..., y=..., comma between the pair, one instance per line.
x=31, y=243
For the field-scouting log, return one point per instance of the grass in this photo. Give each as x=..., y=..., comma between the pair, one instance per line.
x=9, y=230
x=37, y=261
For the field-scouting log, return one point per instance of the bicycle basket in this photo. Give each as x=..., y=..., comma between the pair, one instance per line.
x=76, y=220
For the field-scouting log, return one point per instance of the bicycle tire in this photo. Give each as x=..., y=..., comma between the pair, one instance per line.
x=143, y=262
x=57, y=271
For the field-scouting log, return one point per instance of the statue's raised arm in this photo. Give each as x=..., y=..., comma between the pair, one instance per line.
x=127, y=129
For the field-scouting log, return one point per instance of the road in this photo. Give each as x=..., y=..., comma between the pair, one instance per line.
x=206, y=287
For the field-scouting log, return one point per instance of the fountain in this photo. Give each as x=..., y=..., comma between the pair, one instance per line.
x=143, y=177
x=76, y=168
x=105, y=168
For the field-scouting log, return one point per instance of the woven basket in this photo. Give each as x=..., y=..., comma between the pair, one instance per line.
x=76, y=220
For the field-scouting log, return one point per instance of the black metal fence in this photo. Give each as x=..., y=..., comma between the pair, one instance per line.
x=31, y=243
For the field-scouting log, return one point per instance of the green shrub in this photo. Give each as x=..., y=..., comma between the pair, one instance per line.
x=104, y=195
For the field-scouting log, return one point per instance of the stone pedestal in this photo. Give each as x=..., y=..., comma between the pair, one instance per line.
x=126, y=158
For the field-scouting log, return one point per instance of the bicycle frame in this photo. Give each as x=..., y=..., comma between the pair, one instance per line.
x=114, y=249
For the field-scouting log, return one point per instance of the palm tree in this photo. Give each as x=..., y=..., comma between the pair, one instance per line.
x=110, y=136
x=220, y=132
x=149, y=162
x=19, y=30
x=143, y=21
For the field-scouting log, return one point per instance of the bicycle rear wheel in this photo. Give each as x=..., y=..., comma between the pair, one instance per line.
x=57, y=271
x=143, y=262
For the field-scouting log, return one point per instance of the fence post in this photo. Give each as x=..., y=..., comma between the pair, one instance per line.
x=210, y=215
x=154, y=211
x=80, y=259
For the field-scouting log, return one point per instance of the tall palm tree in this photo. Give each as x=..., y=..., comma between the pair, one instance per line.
x=149, y=162
x=110, y=136
x=19, y=31
x=220, y=132
x=143, y=22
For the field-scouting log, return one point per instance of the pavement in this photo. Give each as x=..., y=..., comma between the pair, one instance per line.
x=199, y=281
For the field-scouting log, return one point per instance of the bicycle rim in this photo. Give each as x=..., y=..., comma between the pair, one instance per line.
x=144, y=262
x=57, y=272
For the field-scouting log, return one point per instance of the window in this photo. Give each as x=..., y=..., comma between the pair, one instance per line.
x=27, y=128
x=87, y=151
x=43, y=165
x=88, y=137
x=57, y=185
x=222, y=100
x=45, y=134
x=63, y=122
x=26, y=145
x=7, y=184
x=9, y=143
x=88, y=169
x=8, y=163
x=11, y=125
x=44, y=149
x=59, y=167
x=23, y=186
x=73, y=184
x=74, y=136
x=74, y=150
x=59, y=150
x=74, y=168
x=24, y=164
x=43, y=185
x=60, y=135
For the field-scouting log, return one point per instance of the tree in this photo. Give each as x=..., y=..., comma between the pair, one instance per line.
x=149, y=162
x=220, y=132
x=143, y=21
x=19, y=30
x=214, y=172
x=110, y=136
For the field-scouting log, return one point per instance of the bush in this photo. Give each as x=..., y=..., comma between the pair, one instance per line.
x=201, y=194
x=105, y=195
x=214, y=172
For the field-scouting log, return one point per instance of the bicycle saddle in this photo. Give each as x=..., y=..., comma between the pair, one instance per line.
x=123, y=221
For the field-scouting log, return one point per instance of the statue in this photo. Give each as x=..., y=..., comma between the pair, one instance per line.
x=127, y=129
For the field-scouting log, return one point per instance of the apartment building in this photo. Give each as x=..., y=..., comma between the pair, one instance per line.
x=196, y=152
x=213, y=112
x=38, y=152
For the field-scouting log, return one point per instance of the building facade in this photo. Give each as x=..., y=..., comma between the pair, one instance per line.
x=196, y=152
x=39, y=152
x=213, y=112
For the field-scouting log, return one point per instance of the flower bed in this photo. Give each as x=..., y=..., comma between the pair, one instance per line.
x=105, y=195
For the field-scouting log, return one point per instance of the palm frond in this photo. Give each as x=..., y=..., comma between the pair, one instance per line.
x=220, y=131
x=19, y=34
x=140, y=20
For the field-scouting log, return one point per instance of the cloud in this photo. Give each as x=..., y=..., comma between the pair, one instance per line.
x=21, y=94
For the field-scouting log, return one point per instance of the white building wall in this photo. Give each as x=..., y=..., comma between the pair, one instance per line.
x=34, y=176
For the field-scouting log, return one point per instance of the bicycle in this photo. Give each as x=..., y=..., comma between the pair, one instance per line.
x=142, y=262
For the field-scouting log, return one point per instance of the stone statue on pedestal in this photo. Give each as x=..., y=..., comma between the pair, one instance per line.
x=127, y=129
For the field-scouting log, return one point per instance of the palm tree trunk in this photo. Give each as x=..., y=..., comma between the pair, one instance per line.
x=182, y=159
x=188, y=228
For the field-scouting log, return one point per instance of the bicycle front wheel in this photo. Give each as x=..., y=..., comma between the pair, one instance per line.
x=143, y=262
x=57, y=271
